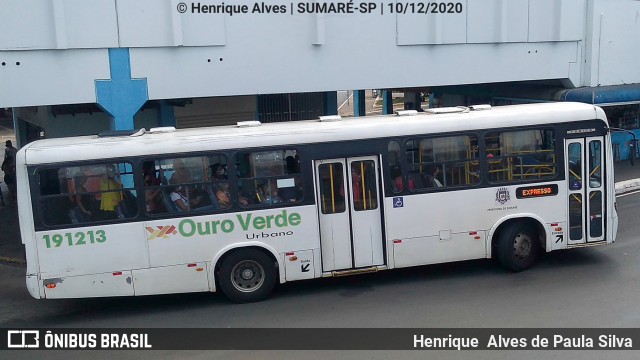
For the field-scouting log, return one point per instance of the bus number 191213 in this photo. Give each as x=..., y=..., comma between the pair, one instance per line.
x=74, y=239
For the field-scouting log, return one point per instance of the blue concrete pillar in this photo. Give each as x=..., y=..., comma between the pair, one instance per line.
x=121, y=97
x=387, y=102
x=166, y=116
x=359, y=108
x=330, y=102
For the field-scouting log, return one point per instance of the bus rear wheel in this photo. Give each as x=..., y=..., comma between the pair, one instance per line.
x=518, y=246
x=247, y=276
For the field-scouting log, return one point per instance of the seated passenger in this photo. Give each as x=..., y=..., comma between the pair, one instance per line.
x=151, y=182
x=223, y=196
x=180, y=197
x=180, y=173
x=247, y=192
x=398, y=182
x=82, y=211
x=432, y=176
x=218, y=172
x=111, y=190
x=270, y=196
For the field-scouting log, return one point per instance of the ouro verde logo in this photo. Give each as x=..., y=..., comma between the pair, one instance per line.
x=244, y=222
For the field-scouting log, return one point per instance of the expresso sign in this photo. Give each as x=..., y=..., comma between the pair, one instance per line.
x=536, y=191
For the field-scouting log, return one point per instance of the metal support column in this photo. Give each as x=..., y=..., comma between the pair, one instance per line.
x=359, y=108
x=387, y=102
x=330, y=103
x=166, y=116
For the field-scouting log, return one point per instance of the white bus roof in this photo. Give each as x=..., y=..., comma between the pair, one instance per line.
x=301, y=132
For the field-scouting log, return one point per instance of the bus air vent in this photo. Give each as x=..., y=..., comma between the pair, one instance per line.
x=162, y=129
x=251, y=123
x=448, y=110
x=116, y=133
x=406, y=112
x=480, y=107
x=330, y=118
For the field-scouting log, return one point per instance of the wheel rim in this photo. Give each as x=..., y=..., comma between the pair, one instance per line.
x=522, y=246
x=247, y=276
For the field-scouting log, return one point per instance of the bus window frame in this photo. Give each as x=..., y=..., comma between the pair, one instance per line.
x=558, y=143
x=37, y=197
x=418, y=138
x=175, y=156
x=301, y=171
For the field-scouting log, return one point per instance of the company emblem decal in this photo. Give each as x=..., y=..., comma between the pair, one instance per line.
x=502, y=195
x=161, y=232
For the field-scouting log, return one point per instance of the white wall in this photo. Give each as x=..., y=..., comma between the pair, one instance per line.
x=613, y=53
x=61, y=47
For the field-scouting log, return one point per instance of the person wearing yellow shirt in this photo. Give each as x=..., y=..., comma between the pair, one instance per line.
x=111, y=194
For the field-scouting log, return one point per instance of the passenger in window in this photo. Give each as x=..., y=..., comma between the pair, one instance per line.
x=111, y=194
x=246, y=192
x=149, y=174
x=433, y=172
x=180, y=173
x=223, y=196
x=181, y=198
x=83, y=201
x=152, y=194
x=219, y=172
x=270, y=195
x=398, y=182
x=356, y=177
x=153, y=200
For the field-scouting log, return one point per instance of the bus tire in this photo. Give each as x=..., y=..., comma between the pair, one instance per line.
x=518, y=246
x=247, y=276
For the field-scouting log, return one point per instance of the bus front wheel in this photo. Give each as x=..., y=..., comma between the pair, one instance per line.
x=247, y=276
x=518, y=246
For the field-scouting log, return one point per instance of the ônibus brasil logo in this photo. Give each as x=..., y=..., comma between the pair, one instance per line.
x=161, y=232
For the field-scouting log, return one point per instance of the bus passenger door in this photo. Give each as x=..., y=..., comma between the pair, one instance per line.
x=349, y=212
x=585, y=181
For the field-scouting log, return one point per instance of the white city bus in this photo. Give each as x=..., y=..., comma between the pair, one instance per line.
x=239, y=208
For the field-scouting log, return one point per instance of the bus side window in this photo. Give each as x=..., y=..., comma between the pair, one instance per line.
x=87, y=193
x=331, y=188
x=395, y=168
x=521, y=155
x=443, y=162
x=269, y=178
x=196, y=184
